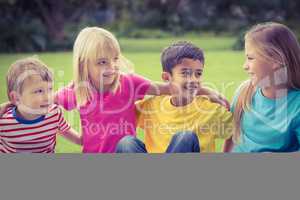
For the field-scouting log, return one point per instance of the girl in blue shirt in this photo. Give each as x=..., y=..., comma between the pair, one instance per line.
x=267, y=107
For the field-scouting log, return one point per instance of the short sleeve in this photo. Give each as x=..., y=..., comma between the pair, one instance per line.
x=63, y=126
x=66, y=97
x=141, y=85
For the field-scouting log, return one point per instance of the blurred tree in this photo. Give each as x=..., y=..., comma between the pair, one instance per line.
x=50, y=17
x=56, y=13
x=51, y=24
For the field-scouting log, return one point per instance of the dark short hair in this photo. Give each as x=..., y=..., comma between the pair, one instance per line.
x=173, y=55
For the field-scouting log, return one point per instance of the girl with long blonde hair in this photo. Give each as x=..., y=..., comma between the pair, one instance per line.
x=267, y=106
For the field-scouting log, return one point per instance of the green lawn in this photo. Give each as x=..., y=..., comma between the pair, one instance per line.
x=223, y=69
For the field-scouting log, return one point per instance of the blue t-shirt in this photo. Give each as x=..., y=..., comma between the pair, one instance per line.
x=271, y=125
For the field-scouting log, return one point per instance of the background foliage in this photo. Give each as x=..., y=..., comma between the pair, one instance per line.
x=51, y=25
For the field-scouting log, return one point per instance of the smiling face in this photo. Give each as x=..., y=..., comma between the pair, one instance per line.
x=185, y=79
x=104, y=71
x=259, y=69
x=35, y=98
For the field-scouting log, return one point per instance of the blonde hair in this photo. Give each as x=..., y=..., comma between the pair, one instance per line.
x=277, y=43
x=90, y=43
x=23, y=69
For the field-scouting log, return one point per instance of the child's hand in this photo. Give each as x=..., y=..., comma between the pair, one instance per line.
x=220, y=99
x=4, y=107
x=214, y=96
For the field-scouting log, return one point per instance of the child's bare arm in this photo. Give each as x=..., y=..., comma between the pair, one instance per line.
x=159, y=89
x=73, y=136
x=164, y=89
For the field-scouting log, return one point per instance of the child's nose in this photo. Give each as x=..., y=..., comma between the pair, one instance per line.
x=112, y=65
x=48, y=97
x=246, y=66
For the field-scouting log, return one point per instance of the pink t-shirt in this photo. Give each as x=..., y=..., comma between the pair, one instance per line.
x=107, y=117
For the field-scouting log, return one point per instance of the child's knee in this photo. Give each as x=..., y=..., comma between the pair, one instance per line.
x=130, y=144
x=126, y=141
x=186, y=136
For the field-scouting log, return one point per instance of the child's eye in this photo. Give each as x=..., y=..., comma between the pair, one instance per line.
x=187, y=73
x=198, y=74
x=102, y=62
x=38, y=91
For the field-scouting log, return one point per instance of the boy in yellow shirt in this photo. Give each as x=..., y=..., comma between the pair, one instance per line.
x=178, y=123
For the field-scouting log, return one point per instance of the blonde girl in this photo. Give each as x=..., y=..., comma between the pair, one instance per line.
x=267, y=106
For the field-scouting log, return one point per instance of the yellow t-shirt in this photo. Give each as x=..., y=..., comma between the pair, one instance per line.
x=160, y=120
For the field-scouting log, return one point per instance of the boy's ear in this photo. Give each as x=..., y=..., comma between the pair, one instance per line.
x=14, y=97
x=166, y=76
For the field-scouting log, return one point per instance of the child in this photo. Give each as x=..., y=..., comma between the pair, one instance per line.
x=32, y=123
x=105, y=97
x=193, y=118
x=267, y=106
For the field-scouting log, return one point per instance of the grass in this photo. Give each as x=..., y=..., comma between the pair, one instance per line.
x=223, y=69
